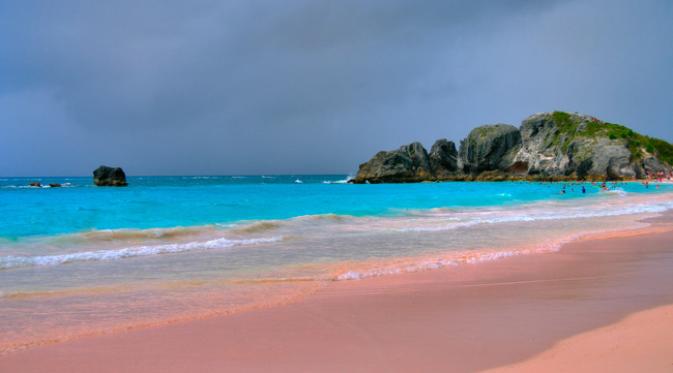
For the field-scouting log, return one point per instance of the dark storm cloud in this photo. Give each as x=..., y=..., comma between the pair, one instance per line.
x=309, y=86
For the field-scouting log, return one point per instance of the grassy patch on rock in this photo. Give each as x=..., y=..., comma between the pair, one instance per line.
x=572, y=127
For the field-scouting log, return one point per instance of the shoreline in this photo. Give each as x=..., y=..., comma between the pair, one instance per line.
x=457, y=308
x=90, y=311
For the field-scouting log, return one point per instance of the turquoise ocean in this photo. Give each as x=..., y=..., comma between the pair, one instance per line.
x=80, y=259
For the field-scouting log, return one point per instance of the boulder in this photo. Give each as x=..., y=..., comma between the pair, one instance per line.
x=54, y=185
x=409, y=163
x=420, y=161
x=109, y=176
x=443, y=159
x=540, y=152
x=611, y=159
x=489, y=148
x=36, y=184
x=654, y=167
x=620, y=168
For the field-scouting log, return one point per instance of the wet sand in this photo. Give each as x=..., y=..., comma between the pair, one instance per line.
x=459, y=319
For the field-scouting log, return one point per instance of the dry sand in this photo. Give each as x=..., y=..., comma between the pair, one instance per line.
x=643, y=342
x=463, y=319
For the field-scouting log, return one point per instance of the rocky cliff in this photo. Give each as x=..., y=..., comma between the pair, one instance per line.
x=547, y=146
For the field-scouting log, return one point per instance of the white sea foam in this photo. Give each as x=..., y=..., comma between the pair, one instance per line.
x=384, y=271
x=534, y=215
x=11, y=186
x=342, y=181
x=618, y=191
x=18, y=186
x=453, y=259
x=7, y=262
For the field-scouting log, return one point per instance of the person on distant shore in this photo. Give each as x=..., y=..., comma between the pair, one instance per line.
x=584, y=190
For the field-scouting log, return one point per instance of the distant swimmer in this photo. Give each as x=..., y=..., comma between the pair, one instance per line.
x=584, y=190
x=604, y=186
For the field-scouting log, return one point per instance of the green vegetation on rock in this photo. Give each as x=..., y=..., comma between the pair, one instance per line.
x=572, y=127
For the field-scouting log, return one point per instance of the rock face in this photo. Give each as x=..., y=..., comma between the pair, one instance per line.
x=547, y=146
x=409, y=163
x=652, y=166
x=559, y=145
x=444, y=158
x=490, y=148
x=109, y=176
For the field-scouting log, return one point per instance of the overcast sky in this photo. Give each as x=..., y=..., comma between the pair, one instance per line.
x=248, y=87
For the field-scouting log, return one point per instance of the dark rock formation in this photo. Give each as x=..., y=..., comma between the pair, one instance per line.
x=444, y=158
x=409, y=163
x=35, y=184
x=54, y=185
x=547, y=146
x=490, y=148
x=109, y=176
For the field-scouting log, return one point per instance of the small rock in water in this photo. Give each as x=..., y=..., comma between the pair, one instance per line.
x=55, y=185
x=109, y=176
x=35, y=184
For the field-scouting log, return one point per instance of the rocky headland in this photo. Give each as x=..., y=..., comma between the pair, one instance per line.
x=547, y=146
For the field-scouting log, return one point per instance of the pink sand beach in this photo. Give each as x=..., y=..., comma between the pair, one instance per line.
x=596, y=305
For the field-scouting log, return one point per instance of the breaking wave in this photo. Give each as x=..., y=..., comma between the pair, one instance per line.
x=99, y=235
x=342, y=181
x=322, y=217
x=7, y=262
x=542, y=215
x=258, y=227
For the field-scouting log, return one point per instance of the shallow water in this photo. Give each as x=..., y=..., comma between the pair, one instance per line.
x=80, y=259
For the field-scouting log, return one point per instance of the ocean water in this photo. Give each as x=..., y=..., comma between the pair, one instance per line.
x=81, y=260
